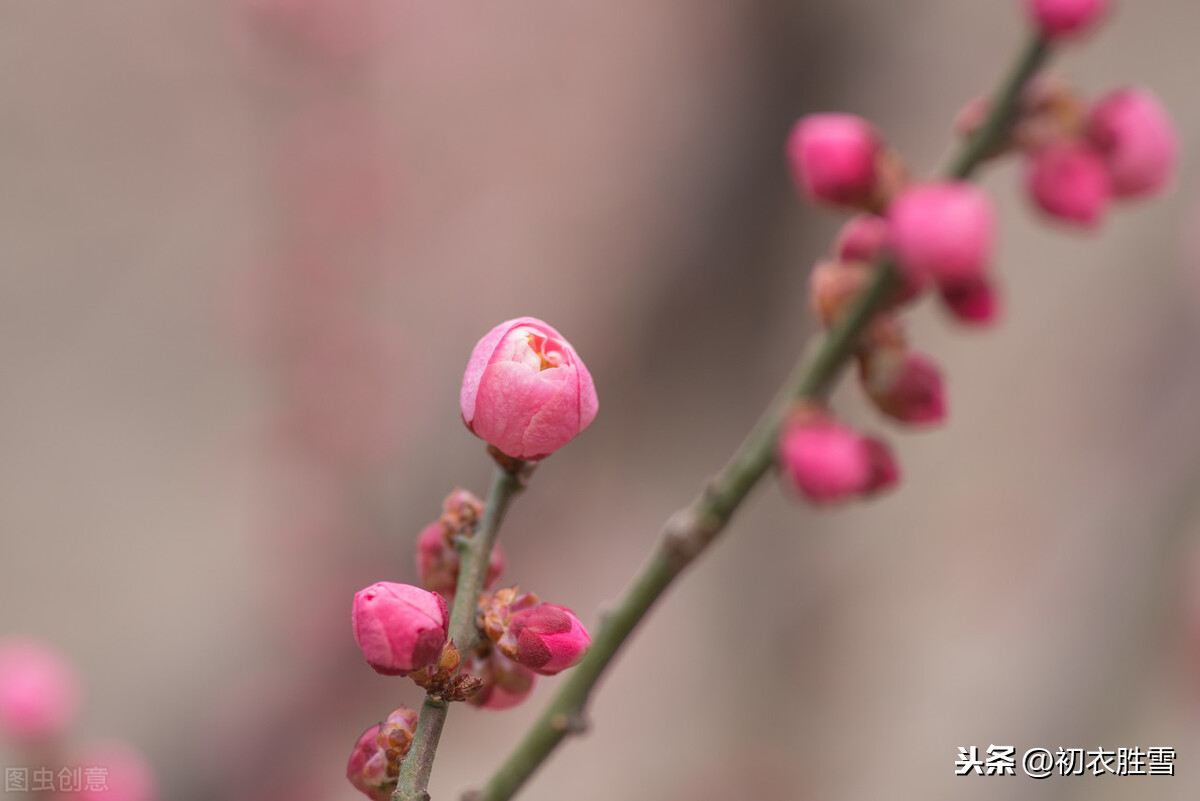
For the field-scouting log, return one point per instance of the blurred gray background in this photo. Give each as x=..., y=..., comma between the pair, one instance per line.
x=246, y=248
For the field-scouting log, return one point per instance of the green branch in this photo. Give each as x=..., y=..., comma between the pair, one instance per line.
x=693, y=528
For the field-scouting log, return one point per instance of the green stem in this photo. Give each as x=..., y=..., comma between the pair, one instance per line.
x=693, y=528
x=474, y=554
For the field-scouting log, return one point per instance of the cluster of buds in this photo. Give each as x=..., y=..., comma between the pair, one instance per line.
x=526, y=393
x=939, y=236
x=40, y=695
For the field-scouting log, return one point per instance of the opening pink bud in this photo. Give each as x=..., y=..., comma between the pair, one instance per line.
x=942, y=231
x=547, y=639
x=1137, y=141
x=905, y=386
x=1063, y=18
x=1068, y=181
x=833, y=158
x=526, y=391
x=39, y=692
x=829, y=462
x=400, y=628
x=127, y=774
x=973, y=301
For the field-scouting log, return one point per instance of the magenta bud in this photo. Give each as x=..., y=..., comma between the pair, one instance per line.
x=505, y=683
x=973, y=301
x=833, y=158
x=1068, y=181
x=1058, y=19
x=526, y=391
x=942, y=231
x=39, y=691
x=374, y=764
x=547, y=638
x=904, y=385
x=828, y=462
x=400, y=628
x=1136, y=139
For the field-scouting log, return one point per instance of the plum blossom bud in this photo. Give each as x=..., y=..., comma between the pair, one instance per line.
x=437, y=557
x=1067, y=181
x=904, y=385
x=546, y=638
x=828, y=462
x=39, y=691
x=973, y=301
x=942, y=231
x=833, y=158
x=505, y=683
x=863, y=238
x=374, y=764
x=128, y=776
x=1062, y=18
x=526, y=391
x=1136, y=138
x=400, y=628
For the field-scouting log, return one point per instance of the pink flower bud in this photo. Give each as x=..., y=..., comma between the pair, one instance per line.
x=400, y=628
x=505, y=683
x=437, y=557
x=1062, y=18
x=526, y=391
x=1137, y=140
x=904, y=385
x=973, y=301
x=1067, y=181
x=127, y=775
x=374, y=764
x=942, y=231
x=833, y=158
x=39, y=692
x=546, y=639
x=863, y=238
x=828, y=462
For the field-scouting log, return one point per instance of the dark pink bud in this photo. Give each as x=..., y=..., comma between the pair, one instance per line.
x=546, y=639
x=942, y=231
x=1063, y=18
x=828, y=462
x=39, y=692
x=972, y=301
x=526, y=391
x=1068, y=181
x=904, y=385
x=833, y=158
x=505, y=683
x=374, y=764
x=400, y=628
x=1137, y=141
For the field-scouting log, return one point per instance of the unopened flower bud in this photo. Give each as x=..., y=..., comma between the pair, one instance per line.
x=39, y=691
x=374, y=764
x=942, y=231
x=1068, y=181
x=505, y=683
x=973, y=301
x=828, y=462
x=833, y=158
x=400, y=628
x=438, y=559
x=1057, y=19
x=863, y=238
x=1137, y=141
x=904, y=385
x=526, y=392
x=546, y=638
x=128, y=776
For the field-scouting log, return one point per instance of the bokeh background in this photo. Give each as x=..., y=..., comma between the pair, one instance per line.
x=247, y=246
